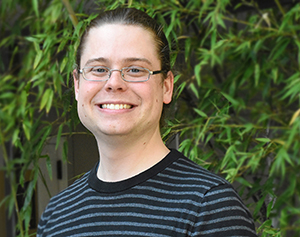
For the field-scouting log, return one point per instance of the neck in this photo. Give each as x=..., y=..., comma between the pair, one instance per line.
x=122, y=157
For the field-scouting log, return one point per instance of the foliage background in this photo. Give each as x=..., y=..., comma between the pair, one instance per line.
x=236, y=105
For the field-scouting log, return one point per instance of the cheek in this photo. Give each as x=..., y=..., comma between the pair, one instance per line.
x=86, y=91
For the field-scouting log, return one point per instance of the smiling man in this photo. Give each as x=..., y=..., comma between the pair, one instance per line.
x=139, y=187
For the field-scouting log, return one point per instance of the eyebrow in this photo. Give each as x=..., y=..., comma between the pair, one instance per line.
x=105, y=60
x=138, y=60
x=100, y=60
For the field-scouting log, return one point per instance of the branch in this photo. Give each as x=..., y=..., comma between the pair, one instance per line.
x=280, y=7
x=71, y=12
x=13, y=188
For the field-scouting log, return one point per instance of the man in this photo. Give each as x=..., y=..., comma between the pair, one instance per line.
x=139, y=187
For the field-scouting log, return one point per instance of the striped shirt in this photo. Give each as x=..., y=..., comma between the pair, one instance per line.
x=175, y=197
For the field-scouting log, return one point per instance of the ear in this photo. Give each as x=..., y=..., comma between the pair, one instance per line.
x=76, y=83
x=168, y=85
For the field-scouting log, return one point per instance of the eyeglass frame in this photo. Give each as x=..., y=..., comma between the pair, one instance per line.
x=120, y=70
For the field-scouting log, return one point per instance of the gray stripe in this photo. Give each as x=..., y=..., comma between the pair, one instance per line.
x=118, y=224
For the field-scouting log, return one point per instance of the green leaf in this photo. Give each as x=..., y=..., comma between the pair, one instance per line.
x=48, y=95
x=243, y=181
x=35, y=5
x=78, y=28
x=256, y=73
x=269, y=208
x=11, y=205
x=259, y=204
x=49, y=101
x=65, y=151
x=279, y=165
x=49, y=167
x=201, y=113
x=5, y=40
x=27, y=129
x=187, y=49
x=180, y=89
x=265, y=140
x=230, y=99
x=298, y=57
x=279, y=48
x=38, y=58
x=63, y=64
x=197, y=71
x=58, y=135
x=288, y=192
x=15, y=136
x=41, y=143
x=176, y=78
x=194, y=90
x=210, y=135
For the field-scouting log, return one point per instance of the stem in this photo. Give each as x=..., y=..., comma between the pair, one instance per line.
x=280, y=7
x=71, y=12
x=247, y=23
x=12, y=186
x=44, y=182
x=20, y=222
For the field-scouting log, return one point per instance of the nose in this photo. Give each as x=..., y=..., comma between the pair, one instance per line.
x=115, y=81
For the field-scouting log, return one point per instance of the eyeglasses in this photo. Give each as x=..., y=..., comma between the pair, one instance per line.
x=129, y=74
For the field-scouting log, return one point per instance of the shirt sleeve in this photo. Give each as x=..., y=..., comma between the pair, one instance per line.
x=222, y=213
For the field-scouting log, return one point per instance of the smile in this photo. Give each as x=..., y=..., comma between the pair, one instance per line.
x=115, y=106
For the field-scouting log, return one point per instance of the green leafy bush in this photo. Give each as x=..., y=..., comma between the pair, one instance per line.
x=236, y=105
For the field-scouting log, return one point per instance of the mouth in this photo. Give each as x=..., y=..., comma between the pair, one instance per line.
x=115, y=106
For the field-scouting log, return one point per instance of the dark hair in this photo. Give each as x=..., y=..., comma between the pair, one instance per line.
x=131, y=16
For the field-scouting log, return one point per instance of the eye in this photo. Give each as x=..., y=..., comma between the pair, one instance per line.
x=136, y=72
x=99, y=70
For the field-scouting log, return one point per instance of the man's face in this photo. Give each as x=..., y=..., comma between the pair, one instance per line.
x=116, y=107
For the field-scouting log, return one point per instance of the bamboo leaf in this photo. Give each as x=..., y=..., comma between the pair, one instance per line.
x=46, y=97
x=230, y=99
x=201, y=113
x=295, y=115
x=187, y=49
x=63, y=64
x=244, y=182
x=49, y=167
x=197, y=71
x=180, y=89
x=35, y=5
x=176, y=78
x=279, y=49
x=259, y=204
x=38, y=58
x=41, y=143
x=65, y=151
x=264, y=140
x=49, y=101
x=194, y=89
x=256, y=74
x=27, y=129
x=60, y=128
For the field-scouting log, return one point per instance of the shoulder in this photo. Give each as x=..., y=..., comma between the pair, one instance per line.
x=212, y=189
x=63, y=200
x=185, y=171
x=72, y=191
x=220, y=210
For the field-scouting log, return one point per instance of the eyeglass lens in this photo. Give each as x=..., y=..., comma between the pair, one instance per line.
x=127, y=73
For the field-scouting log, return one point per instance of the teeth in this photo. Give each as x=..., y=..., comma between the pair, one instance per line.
x=115, y=106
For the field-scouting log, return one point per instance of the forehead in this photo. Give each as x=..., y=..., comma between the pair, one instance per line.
x=117, y=42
